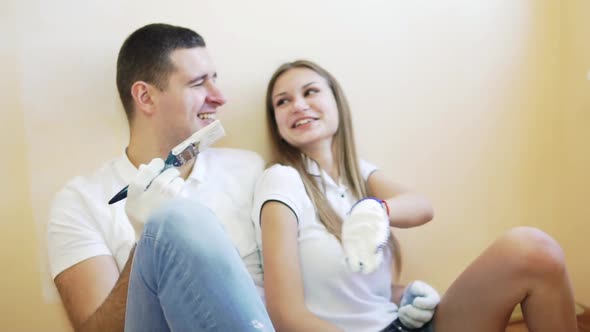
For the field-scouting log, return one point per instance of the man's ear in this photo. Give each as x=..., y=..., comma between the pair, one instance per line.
x=142, y=94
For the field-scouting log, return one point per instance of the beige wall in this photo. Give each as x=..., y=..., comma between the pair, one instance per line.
x=21, y=302
x=574, y=162
x=482, y=105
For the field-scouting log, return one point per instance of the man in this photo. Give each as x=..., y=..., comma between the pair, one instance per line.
x=185, y=273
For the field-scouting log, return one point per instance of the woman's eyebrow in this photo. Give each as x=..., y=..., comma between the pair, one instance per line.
x=284, y=93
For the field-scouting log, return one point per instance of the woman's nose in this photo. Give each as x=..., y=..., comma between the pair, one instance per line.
x=300, y=104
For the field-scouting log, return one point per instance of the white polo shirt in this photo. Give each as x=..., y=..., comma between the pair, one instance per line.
x=82, y=224
x=352, y=301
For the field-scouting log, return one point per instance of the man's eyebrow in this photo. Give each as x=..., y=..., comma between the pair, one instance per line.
x=196, y=79
x=303, y=87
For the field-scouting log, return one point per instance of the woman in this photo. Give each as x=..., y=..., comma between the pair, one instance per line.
x=302, y=203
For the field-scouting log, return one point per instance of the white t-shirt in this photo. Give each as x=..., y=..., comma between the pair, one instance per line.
x=82, y=224
x=352, y=301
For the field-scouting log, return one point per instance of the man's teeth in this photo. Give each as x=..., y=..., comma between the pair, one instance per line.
x=302, y=122
x=207, y=116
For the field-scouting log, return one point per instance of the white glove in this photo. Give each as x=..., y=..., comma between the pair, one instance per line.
x=365, y=231
x=418, y=304
x=149, y=190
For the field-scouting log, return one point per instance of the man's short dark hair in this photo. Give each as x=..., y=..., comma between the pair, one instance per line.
x=145, y=56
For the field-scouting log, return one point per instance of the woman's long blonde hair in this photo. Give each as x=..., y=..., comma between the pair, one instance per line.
x=343, y=144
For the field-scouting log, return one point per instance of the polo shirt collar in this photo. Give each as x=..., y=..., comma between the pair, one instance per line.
x=311, y=166
x=200, y=167
x=125, y=168
x=313, y=169
x=127, y=171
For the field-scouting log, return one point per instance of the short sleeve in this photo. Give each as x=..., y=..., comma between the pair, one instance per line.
x=72, y=233
x=279, y=183
x=366, y=169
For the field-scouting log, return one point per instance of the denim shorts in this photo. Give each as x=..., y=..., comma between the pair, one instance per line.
x=394, y=327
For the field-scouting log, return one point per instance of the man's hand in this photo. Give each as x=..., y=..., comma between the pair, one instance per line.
x=365, y=231
x=149, y=190
x=418, y=304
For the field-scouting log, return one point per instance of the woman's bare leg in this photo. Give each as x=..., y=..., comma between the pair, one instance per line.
x=524, y=266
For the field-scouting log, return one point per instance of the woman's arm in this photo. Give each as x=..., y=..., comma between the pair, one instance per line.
x=406, y=209
x=283, y=286
x=397, y=291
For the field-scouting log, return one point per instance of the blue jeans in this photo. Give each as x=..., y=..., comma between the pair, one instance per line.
x=187, y=276
x=396, y=326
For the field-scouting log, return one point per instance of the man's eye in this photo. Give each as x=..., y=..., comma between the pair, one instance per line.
x=198, y=83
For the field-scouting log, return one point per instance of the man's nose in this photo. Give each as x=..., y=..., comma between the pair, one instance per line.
x=215, y=96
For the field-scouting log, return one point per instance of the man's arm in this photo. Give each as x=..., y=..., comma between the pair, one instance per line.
x=94, y=294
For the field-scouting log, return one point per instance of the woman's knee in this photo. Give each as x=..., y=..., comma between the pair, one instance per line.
x=534, y=253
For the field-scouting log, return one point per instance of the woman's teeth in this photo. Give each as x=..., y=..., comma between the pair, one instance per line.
x=302, y=122
x=206, y=116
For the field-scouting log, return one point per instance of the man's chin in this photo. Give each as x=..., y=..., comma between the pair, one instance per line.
x=202, y=123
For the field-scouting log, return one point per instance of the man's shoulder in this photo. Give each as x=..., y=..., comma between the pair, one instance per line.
x=237, y=155
x=229, y=158
x=97, y=183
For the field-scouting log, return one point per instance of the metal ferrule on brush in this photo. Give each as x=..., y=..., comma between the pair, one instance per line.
x=183, y=156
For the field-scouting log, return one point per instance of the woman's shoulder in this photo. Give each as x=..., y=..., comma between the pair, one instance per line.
x=280, y=170
x=281, y=174
x=280, y=183
x=366, y=168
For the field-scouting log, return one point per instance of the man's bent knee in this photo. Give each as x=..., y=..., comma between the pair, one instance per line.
x=180, y=218
x=189, y=227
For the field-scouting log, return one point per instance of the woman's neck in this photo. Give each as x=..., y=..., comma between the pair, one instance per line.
x=325, y=156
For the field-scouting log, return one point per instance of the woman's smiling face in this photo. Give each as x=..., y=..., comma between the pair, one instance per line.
x=305, y=109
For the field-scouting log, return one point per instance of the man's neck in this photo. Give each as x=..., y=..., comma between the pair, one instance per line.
x=186, y=169
x=141, y=150
x=138, y=159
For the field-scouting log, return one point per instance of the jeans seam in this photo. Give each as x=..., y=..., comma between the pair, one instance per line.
x=165, y=249
x=153, y=243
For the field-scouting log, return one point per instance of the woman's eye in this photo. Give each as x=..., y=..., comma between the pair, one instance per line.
x=280, y=102
x=311, y=92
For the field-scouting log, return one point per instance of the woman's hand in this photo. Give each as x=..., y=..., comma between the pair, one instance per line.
x=365, y=231
x=418, y=304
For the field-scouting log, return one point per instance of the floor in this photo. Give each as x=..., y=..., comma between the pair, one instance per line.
x=583, y=324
